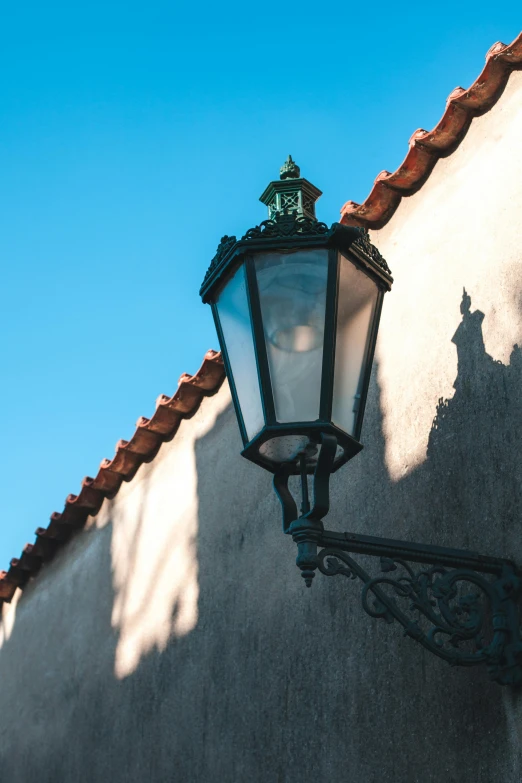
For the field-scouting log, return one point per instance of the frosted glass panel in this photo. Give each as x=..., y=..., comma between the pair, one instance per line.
x=356, y=307
x=234, y=317
x=285, y=448
x=292, y=292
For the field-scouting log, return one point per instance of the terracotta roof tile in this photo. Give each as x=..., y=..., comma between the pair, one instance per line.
x=142, y=447
x=426, y=147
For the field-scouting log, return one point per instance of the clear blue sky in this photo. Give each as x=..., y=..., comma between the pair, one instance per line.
x=133, y=137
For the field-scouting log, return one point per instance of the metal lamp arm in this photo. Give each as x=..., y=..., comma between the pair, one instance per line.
x=461, y=606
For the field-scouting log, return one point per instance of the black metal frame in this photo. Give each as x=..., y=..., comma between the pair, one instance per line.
x=463, y=628
x=313, y=430
x=330, y=332
x=231, y=381
x=291, y=232
x=256, y=319
x=368, y=362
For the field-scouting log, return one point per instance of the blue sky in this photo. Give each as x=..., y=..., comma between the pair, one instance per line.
x=133, y=138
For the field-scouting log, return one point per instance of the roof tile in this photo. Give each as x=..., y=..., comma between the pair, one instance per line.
x=426, y=147
x=142, y=447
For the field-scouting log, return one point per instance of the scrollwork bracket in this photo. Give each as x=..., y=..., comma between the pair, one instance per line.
x=461, y=606
x=458, y=614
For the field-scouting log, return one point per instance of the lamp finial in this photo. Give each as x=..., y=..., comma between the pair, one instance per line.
x=289, y=169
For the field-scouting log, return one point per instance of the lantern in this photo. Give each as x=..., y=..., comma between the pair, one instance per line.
x=296, y=306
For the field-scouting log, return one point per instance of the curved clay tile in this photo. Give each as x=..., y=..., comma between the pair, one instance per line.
x=426, y=147
x=142, y=447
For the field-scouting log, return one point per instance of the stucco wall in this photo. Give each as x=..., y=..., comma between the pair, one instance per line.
x=173, y=640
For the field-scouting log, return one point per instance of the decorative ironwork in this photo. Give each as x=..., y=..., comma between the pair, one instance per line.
x=290, y=191
x=457, y=614
x=290, y=200
x=366, y=246
x=272, y=209
x=287, y=224
x=224, y=246
x=459, y=605
x=308, y=204
x=291, y=214
x=289, y=169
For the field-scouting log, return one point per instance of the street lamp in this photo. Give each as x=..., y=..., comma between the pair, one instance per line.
x=296, y=306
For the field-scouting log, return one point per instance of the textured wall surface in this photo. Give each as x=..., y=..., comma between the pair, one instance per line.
x=173, y=640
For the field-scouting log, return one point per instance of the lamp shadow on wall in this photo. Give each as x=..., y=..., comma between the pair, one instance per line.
x=483, y=423
x=467, y=493
x=274, y=682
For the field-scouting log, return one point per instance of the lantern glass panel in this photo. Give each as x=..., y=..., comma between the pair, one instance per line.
x=292, y=293
x=357, y=301
x=234, y=317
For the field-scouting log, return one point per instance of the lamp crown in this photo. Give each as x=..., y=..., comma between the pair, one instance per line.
x=291, y=193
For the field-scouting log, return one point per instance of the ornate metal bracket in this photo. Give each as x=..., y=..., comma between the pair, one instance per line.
x=461, y=606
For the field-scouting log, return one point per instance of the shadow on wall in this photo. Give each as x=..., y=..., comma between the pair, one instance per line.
x=483, y=422
x=466, y=494
x=274, y=683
